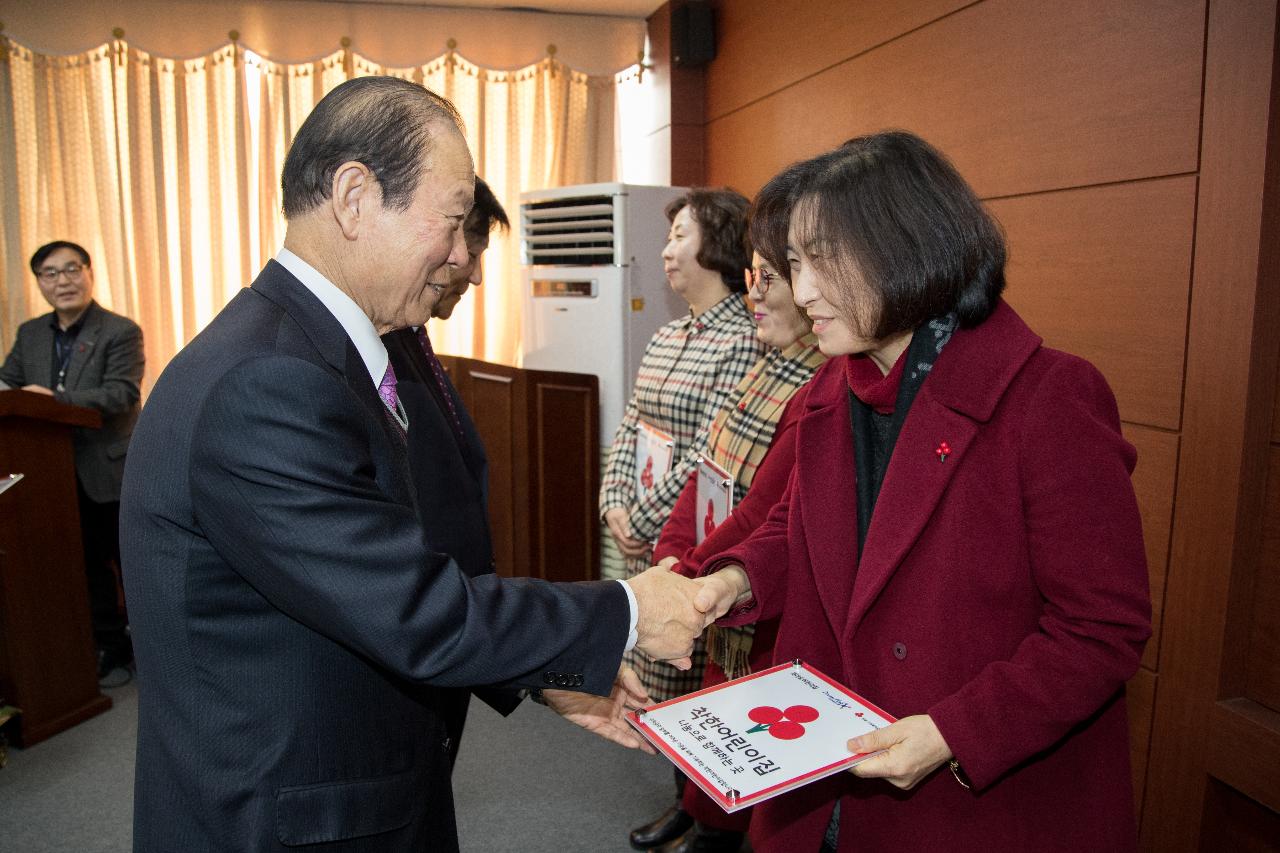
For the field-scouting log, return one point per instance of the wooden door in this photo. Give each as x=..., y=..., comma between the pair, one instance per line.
x=1213, y=779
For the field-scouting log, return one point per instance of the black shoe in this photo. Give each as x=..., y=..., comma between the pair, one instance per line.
x=704, y=839
x=668, y=826
x=113, y=670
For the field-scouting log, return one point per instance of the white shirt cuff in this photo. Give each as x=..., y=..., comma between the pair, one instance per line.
x=632, y=636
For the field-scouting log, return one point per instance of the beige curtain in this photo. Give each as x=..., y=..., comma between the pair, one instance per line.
x=167, y=171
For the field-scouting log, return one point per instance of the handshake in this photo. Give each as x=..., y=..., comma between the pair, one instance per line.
x=675, y=610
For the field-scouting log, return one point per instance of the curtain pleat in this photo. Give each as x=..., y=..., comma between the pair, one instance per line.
x=167, y=171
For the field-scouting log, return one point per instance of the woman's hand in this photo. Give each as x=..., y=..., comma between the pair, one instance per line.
x=619, y=524
x=912, y=749
x=721, y=590
x=668, y=562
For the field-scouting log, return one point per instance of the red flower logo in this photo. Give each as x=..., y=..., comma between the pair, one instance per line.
x=784, y=725
x=709, y=523
x=646, y=478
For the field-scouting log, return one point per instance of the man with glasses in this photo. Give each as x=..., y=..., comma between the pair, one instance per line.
x=84, y=355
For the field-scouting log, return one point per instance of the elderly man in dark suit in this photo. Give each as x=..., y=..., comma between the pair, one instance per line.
x=291, y=615
x=82, y=354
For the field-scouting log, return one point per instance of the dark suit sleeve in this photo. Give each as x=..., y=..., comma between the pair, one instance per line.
x=121, y=386
x=14, y=373
x=284, y=487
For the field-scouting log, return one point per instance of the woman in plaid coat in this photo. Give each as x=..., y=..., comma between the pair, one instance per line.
x=690, y=367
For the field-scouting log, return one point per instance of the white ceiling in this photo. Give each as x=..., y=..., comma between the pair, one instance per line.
x=619, y=8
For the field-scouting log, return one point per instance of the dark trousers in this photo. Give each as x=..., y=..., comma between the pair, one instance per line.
x=100, y=529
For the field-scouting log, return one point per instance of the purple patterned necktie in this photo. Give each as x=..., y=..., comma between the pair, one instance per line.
x=437, y=373
x=387, y=388
x=387, y=391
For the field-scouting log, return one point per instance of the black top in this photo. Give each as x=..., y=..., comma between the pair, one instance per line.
x=64, y=344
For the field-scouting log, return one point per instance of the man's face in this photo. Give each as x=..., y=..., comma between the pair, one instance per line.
x=406, y=248
x=456, y=280
x=68, y=292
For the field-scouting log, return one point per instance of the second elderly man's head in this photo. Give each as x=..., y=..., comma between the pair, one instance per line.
x=485, y=215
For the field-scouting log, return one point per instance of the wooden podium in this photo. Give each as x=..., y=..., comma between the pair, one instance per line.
x=47, y=662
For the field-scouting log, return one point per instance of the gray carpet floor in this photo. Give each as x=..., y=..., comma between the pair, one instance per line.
x=530, y=782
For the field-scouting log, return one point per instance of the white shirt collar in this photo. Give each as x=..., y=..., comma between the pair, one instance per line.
x=344, y=309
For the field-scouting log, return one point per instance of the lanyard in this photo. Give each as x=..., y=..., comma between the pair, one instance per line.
x=64, y=351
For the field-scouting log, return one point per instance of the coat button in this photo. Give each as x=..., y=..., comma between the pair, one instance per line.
x=549, y=677
x=900, y=651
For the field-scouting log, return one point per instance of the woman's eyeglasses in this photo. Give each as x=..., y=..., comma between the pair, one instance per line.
x=761, y=279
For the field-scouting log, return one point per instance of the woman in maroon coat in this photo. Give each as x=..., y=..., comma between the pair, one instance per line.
x=959, y=541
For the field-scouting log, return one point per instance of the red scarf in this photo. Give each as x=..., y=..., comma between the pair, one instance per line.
x=868, y=384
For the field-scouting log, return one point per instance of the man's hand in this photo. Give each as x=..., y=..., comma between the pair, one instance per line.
x=720, y=591
x=668, y=622
x=619, y=524
x=38, y=389
x=605, y=716
x=913, y=748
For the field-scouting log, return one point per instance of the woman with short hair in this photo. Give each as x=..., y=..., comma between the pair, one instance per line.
x=960, y=541
x=689, y=368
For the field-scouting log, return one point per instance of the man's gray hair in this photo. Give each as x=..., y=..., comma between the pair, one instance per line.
x=386, y=123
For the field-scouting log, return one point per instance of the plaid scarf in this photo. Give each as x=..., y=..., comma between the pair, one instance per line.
x=740, y=439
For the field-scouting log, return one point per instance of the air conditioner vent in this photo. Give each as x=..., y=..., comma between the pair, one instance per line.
x=568, y=232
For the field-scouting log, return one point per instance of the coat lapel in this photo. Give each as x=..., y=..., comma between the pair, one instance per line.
x=961, y=394
x=913, y=485
x=832, y=547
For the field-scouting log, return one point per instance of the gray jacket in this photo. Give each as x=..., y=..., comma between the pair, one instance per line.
x=105, y=373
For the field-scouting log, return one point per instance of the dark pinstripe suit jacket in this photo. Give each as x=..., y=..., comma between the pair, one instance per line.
x=288, y=611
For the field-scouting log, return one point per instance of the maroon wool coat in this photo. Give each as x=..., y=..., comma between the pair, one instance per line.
x=1002, y=591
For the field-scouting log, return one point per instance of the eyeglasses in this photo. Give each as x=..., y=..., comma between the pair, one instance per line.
x=760, y=279
x=72, y=271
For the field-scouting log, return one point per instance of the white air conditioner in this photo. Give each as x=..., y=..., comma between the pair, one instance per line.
x=593, y=284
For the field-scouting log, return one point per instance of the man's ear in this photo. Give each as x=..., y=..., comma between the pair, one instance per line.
x=355, y=197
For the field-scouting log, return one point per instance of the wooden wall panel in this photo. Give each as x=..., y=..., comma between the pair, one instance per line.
x=1203, y=728
x=566, y=483
x=1275, y=412
x=1024, y=97
x=1235, y=823
x=1141, y=699
x=1104, y=273
x=1263, y=680
x=756, y=52
x=1153, y=482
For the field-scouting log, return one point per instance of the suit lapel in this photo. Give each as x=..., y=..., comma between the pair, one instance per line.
x=335, y=347
x=83, y=348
